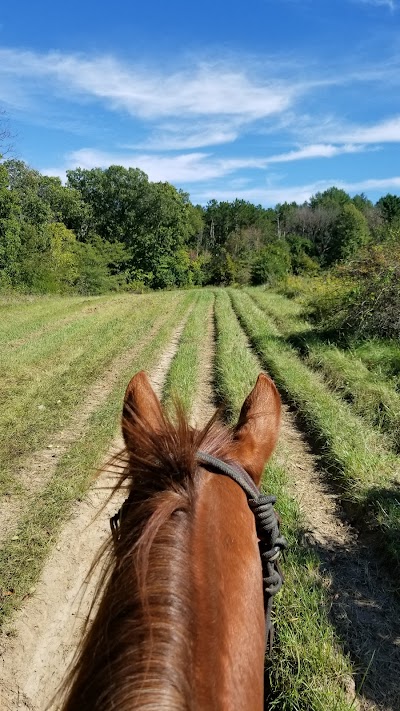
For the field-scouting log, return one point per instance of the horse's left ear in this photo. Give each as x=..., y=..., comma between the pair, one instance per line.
x=140, y=404
x=257, y=430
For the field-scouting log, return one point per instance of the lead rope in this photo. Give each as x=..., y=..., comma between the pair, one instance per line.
x=271, y=543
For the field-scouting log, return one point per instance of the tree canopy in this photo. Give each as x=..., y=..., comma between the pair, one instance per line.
x=113, y=228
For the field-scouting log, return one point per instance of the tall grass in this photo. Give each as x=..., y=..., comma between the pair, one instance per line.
x=45, y=382
x=370, y=394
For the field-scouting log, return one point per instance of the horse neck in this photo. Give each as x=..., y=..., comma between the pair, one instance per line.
x=229, y=633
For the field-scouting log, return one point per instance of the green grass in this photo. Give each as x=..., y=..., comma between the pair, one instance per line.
x=354, y=454
x=287, y=313
x=50, y=377
x=24, y=551
x=370, y=394
x=308, y=671
x=25, y=318
x=183, y=374
x=381, y=356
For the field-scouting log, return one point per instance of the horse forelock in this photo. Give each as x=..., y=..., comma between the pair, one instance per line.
x=138, y=651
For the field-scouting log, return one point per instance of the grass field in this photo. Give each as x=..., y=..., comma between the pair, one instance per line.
x=69, y=360
x=357, y=454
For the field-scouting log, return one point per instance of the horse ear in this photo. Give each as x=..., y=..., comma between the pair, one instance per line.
x=257, y=430
x=140, y=404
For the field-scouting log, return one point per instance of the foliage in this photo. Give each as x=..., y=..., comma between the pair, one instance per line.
x=113, y=228
x=271, y=265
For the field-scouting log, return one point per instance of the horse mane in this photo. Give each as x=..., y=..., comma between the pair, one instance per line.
x=137, y=652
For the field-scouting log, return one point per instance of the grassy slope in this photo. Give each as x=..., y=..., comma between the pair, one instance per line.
x=353, y=452
x=308, y=671
x=24, y=551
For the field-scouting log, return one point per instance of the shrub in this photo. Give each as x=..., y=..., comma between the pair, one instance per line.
x=271, y=265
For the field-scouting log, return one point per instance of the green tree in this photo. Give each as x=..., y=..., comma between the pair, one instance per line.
x=331, y=198
x=351, y=233
x=389, y=208
x=271, y=265
x=10, y=241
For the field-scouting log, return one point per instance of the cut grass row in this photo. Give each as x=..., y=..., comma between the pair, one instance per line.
x=24, y=551
x=25, y=318
x=50, y=378
x=372, y=396
x=353, y=452
x=183, y=375
x=308, y=671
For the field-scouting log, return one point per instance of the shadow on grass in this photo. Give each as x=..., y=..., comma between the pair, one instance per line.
x=366, y=615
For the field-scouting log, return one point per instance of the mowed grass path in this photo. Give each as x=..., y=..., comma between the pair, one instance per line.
x=354, y=453
x=309, y=671
x=23, y=552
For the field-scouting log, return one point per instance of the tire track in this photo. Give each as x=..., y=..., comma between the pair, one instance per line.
x=45, y=633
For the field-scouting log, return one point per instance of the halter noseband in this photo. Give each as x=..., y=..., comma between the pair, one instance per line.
x=271, y=543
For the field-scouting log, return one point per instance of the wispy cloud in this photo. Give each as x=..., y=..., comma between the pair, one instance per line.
x=386, y=131
x=268, y=196
x=193, y=167
x=206, y=89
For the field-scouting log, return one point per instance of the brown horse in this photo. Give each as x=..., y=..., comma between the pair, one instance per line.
x=180, y=624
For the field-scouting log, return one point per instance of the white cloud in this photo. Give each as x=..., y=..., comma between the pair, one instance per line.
x=191, y=167
x=207, y=89
x=387, y=131
x=339, y=134
x=318, y=150
x=298, y=193
x=185, y=135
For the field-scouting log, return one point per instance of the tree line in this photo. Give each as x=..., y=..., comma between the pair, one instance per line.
x=111, y=229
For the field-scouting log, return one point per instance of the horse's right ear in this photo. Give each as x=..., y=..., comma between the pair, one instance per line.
x=141, y=404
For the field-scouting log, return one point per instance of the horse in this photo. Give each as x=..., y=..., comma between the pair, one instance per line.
x=180, y=622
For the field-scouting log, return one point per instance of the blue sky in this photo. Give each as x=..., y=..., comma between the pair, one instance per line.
x=268, y=100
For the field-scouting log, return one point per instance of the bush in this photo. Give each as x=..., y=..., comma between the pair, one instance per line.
x=271, y=265
x=366, y=299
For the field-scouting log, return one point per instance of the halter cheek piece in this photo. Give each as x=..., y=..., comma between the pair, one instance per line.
x=271, y=543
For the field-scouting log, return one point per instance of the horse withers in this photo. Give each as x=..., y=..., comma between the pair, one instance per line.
x=180, y=622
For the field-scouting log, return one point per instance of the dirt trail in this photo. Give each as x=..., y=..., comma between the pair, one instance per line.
x=44, y=634
x=365, y=611
x=37, y=470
